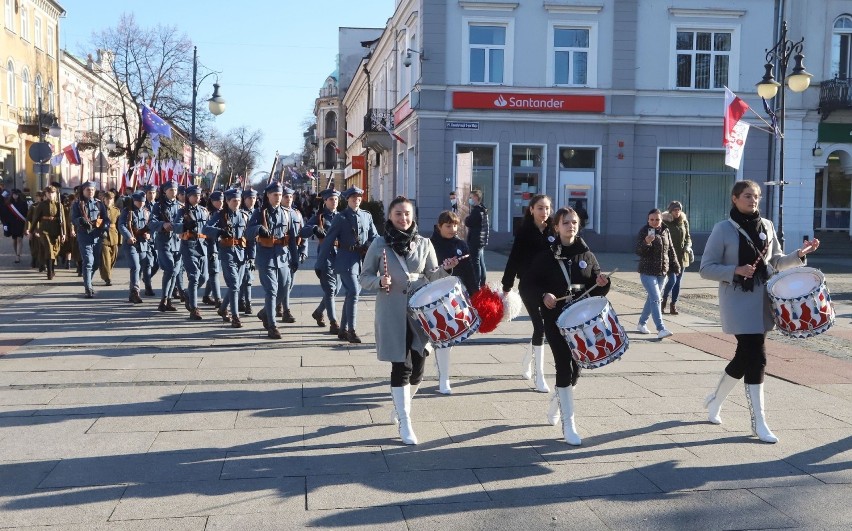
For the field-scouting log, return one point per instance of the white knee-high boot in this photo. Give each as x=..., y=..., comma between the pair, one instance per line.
x=566, y=405
x=402, y=405
x=714, y=400
x=394, y=418
x=553, y=413
x=526, y=364
x=540, y=382
x=442, y=360
x=754, y=394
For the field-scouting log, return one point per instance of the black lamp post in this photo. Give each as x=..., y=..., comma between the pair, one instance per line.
x=768, y=88
x=216, y=104
x=40, y=152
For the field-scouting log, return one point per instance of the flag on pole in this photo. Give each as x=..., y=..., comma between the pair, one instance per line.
x=736, y=145
x=350, y=135
x=153, y=124
x=735, y=108
x=72, y=154
x=393, y=135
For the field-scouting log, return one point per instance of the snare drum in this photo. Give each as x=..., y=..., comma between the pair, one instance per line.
x=591, y=328
x=801, y=302
x=444, y=311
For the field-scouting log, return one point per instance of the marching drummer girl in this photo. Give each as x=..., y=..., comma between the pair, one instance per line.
x=448, y=245
x=741, y=254
x=556, y=275
x=395, y=266
x=533, y=236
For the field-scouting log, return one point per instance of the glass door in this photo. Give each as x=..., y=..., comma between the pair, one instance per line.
x=525, y=181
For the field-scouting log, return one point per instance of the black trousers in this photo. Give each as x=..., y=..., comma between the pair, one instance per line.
x=533, y=307
x=749, y=359
x=567, y=370
x=409, y=371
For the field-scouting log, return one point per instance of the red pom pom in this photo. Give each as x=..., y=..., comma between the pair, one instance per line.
x=489, y=306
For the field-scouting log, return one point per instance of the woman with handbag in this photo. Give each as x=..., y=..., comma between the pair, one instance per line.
x=741, y=254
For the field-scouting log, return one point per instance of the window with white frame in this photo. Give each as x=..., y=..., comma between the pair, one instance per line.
x=51, y=105
x=50, y=46
x=39, y=87
x=25, y=24
x=37, y=33
x=487, y=53
x=9, y=15
x=703, y=58
x=841, y=46
x=571, y=56
x=10, y=83
x=26, y=90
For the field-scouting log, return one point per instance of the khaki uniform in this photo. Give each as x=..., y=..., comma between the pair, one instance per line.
x=109, y=244
x=35, y=246
x=50, y=221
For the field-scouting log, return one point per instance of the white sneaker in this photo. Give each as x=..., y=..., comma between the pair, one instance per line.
x=663, y=334
x=642, y=329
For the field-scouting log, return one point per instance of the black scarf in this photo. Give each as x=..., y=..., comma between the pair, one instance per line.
x=564, y=253
x=748, y=253
x=401, y=241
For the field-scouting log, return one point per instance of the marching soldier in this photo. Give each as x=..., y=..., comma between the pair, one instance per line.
x=353, y=231
x=249, y=201
x=213, y=289
x=227, y=228
x=89, y=216
x=49, y=226
x=109, y=245
x=35, y=245
x=189, y=224
x=133, y=225
x=302, y=246
x=150, y=199
x=166, y=241
x=318, y=227
x=273, y=230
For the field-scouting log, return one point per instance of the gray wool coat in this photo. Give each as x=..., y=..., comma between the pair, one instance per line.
x=392, y=308
x=742, y=312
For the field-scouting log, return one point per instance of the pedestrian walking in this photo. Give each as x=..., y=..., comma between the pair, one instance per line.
x=656, y=259
x=15, y=220
x=675, y=220
x=478, y=229
x=50, y=226
x=89, y=216
x=109, y=245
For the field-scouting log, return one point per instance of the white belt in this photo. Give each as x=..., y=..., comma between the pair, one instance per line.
x=414, y=277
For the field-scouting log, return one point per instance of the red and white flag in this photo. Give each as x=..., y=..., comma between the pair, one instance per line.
x=736, y=145
x=393, y=135
x=72, y=154
x=735, y=108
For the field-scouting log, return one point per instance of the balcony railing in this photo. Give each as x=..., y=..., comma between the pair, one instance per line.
x=377, y=120
x=834, y=94
x=28, y=120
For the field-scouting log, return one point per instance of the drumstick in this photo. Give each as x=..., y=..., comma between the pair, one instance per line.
x=587, y=291
x=385, y=256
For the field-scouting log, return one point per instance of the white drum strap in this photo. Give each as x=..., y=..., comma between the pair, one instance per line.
x=412, y=277
x=567, y=277
x=769, y=269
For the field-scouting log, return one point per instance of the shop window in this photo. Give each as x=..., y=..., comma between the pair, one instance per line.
x=526, y=180
x=701, y=181
x=832, y=197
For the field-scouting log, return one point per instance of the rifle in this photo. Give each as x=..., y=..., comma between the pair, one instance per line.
x=272, y=171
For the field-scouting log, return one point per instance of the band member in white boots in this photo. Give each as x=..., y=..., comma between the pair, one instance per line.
x=741, y=254
x=448, y=245
x=533, y=236
x=566, y=269
x=395, y=266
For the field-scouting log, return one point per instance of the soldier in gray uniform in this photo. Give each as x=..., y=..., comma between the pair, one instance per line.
x=193, y=249
x=90, y=219
x=273, y=230
x=213, y=289
x=302, y=246
x=249, y=201
x=150, y=199
x=227, y=228
x=317, y=227
x=167, y=241
x=133, y=225
x=354, y=231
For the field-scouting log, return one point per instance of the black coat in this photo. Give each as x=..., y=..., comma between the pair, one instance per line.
x=478, y=228
x=14, y=224
x=529, y=241
x=455, y=247
x=545, y=276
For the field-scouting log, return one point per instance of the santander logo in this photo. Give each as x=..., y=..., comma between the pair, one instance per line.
x=500, y=101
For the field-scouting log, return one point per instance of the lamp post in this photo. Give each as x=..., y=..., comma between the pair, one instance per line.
x=768, y=88
x=216, y=103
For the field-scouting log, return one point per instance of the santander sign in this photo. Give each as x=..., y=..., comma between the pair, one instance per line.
x=511, y=101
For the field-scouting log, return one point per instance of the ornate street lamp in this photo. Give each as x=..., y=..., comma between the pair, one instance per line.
x=798, y=81
x=216, y=104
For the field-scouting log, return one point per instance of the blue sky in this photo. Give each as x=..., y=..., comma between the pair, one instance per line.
x=273, y=55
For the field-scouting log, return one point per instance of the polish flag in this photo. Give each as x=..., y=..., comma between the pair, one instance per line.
x=350, y=135
x=72, y=154
x=392, y=134
x=170, y=170
x=127, y=183
x=735, y=108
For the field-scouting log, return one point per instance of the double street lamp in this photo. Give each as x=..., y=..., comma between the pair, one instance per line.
x=798, y=81
x=216, y=103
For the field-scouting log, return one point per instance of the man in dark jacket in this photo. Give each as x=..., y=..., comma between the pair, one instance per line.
x=477, y=235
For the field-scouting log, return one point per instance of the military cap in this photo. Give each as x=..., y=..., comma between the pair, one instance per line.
x=331, y=192
x=352, y=191
x=289, y=191
x=182, y=190
x=233, y=193
x=169, y=185
x=87, y=184
x=216, y=196
x=191, y=190
x=274, y=186
x=251, y=192
x=139, y=195
x=149, y=188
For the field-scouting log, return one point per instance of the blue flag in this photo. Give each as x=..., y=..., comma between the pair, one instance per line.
x=153, y=124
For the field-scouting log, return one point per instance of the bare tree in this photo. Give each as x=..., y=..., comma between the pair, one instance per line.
x=239, y=150
x=151, y=66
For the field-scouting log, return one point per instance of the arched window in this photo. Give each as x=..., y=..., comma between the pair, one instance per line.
x=330, y=155
x=10, y=83
x=26, y=90
x=51, y=106
x=39, y=86
x=331, y=125
x=841, y=47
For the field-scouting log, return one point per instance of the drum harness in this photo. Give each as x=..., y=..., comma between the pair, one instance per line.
x=761, y=255
x=569, y=295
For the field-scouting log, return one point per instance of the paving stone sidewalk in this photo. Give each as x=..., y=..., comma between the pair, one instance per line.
x=118, y=417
